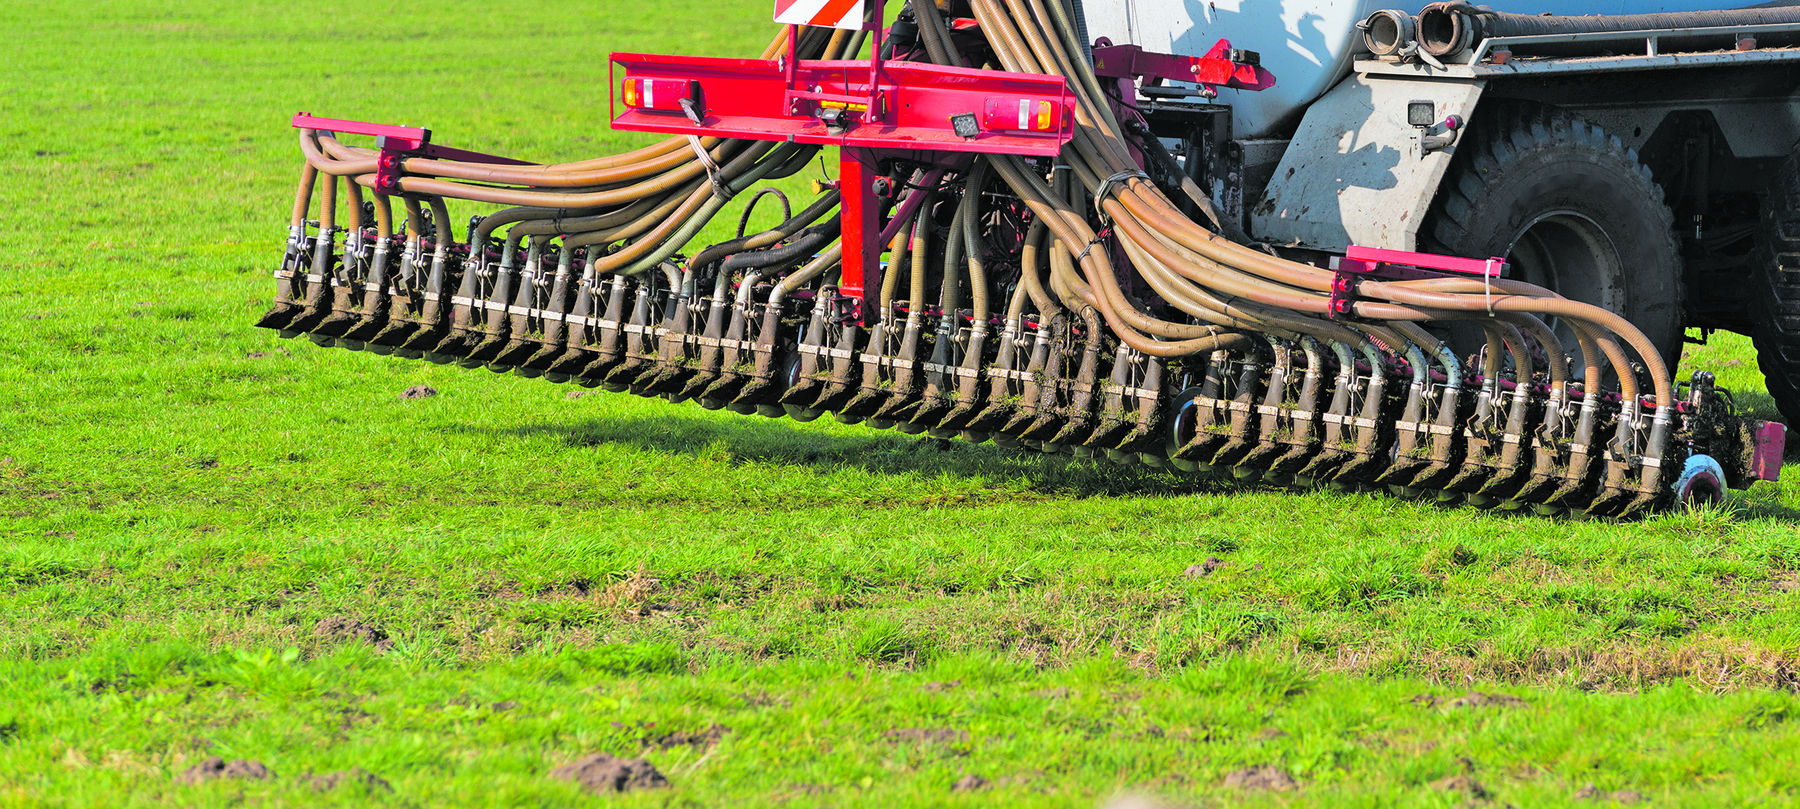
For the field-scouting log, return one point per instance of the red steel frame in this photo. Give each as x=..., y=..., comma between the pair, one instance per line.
x=890, y=108
x=871, y=110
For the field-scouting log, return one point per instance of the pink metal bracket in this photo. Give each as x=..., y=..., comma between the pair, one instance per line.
x=397, y=143
x=1220, y=67
x=1359, y=263
x=1771, y=439
x=1402, y=265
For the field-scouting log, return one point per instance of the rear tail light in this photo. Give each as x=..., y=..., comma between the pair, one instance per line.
x=1023, y=114
x=660, y=94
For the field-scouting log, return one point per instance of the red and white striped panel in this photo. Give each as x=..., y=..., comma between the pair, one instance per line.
x=823, y=13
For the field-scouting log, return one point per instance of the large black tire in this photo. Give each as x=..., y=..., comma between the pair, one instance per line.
x=1775, y=290
x=1571, y=209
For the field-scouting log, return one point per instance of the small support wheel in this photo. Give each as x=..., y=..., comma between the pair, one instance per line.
x=1702, y=482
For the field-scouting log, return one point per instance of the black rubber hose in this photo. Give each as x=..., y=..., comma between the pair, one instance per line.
x=823, y=205
x=1449, y=29
x=809, y=241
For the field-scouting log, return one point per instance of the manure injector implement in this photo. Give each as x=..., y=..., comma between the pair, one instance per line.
x=1040, y=237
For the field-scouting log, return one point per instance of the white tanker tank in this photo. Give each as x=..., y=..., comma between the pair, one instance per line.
x=1308, y=44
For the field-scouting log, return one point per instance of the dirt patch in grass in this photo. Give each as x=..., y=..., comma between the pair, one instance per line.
x=1624, y=796
x=1204, y=569
x=688, y=738
x=1478, y=699
x=419, y=392
x=600, y=773
x=215, y=768
x=1464, y=785
x=970, y=782
x=1720, y=664
x=355, y=777
x=1473, y=699
x=793, y=792
x=1267, y=777
x=344, y=629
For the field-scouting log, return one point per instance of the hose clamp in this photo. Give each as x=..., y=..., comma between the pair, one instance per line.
x=1106, y=187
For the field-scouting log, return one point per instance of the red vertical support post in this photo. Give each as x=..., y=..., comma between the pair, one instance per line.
x=872, y=22
x=791, y=68
x=861, y=280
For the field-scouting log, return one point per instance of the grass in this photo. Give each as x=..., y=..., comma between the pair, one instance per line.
x=217, y=543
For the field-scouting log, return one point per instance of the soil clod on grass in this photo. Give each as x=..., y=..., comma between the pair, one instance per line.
x=215, y=768
x=580, y=394
x=504, y=705
x=599, y=773
x=355, y=777
x=969, y=783
x=419, y=392
x=936, y=687
x=1624, y=796
x=689, y=738
x=343, y=628
x=1204, y=569
x=1463, y=785
x=1478, y=699
x=1473, y=699
x=1267, y=777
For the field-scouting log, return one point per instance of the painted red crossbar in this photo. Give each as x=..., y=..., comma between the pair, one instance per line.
x=412, y=141
x=912, y=107
x=870, y=109
x=398, y=143
x=1405, y=265
x=1397, y=265
x=1220, y=67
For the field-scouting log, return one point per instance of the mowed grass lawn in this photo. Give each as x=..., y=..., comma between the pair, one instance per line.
x=214, y=543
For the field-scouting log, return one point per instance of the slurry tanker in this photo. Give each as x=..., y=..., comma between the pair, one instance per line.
x=1449, y=252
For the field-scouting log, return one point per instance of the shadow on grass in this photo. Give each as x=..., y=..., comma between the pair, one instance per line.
x=782, y=442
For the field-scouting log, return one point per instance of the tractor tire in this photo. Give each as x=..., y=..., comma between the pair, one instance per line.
x=1571, y=209
x=1775, y=290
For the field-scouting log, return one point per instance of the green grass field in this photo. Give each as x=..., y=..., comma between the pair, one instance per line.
x=214, y=543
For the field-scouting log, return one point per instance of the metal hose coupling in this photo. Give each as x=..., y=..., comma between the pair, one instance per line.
x=1387, y=31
